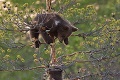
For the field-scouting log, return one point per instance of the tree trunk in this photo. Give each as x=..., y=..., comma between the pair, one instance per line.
x=55, y=73
x=48, y=5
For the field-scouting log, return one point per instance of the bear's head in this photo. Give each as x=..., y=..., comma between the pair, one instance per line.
x=64, y=28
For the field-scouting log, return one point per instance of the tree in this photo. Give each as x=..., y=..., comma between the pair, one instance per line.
x=93, y=52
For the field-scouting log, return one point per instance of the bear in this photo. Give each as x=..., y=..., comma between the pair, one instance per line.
x=50, y=26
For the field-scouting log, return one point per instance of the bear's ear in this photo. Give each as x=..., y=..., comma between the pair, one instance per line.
x=74, y=29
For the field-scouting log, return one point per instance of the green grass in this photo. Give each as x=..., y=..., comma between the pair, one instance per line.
x=21, y=2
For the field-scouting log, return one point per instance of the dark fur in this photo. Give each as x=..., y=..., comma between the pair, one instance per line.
x=51, y=26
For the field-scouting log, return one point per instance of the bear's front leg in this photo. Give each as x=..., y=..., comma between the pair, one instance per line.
x=46, y=37
x=66, y=41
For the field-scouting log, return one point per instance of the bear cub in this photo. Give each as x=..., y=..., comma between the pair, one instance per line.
x=50, y=26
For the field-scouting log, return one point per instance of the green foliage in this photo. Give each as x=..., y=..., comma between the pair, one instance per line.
x=93, y=50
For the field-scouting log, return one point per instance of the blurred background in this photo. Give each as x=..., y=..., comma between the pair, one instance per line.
x=94, y=48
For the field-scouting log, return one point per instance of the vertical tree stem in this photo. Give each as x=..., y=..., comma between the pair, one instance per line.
x=48, y=5
x=53, y=54
x=54, y=71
